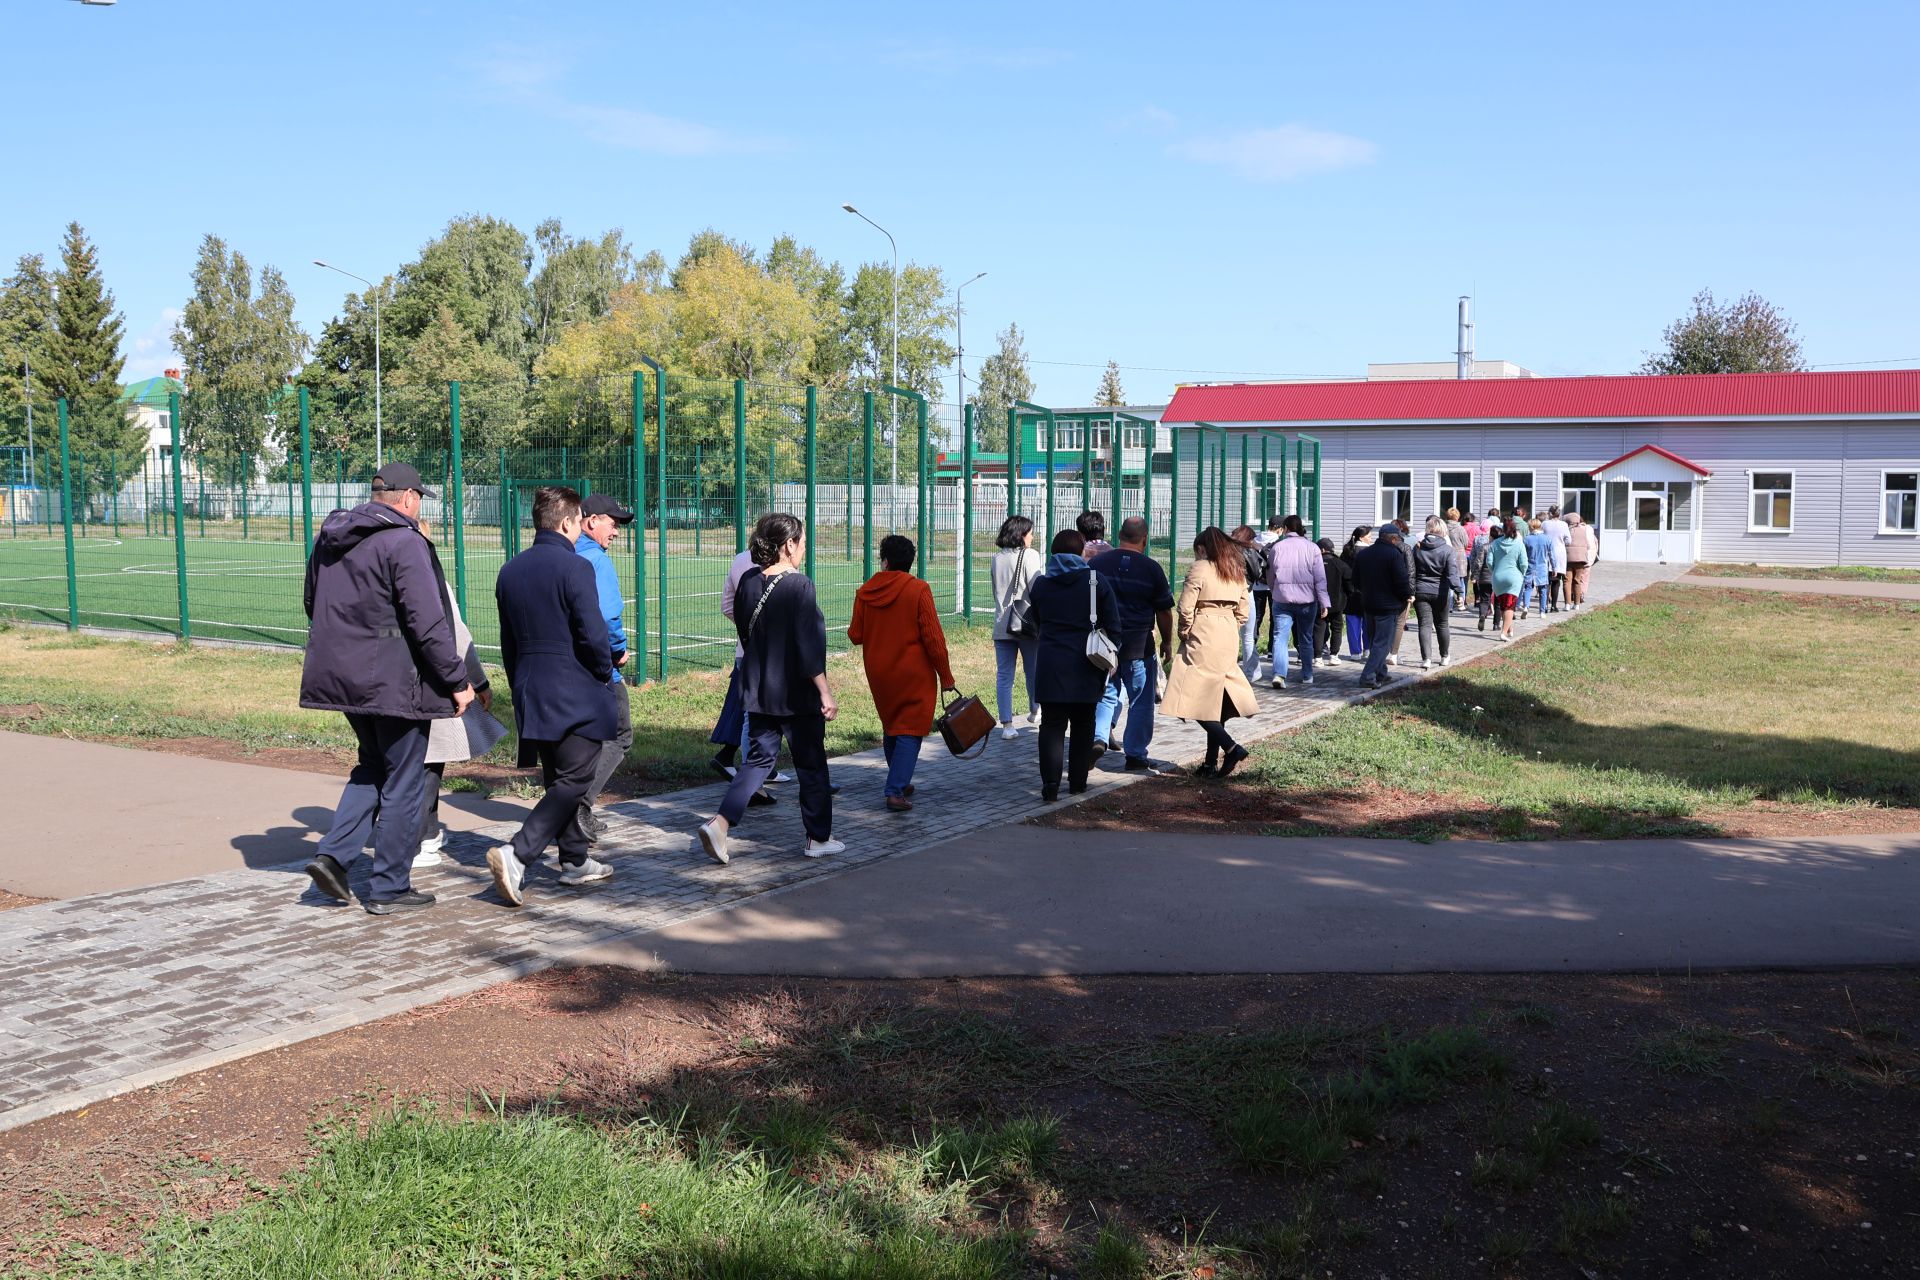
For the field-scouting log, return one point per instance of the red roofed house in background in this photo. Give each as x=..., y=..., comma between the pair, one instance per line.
x=1763, y=468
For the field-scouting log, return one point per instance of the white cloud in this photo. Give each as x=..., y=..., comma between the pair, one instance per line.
x=1280, y=154
x=1150, y=119
x=150, y=352
x=535, y=82
x=945, y=55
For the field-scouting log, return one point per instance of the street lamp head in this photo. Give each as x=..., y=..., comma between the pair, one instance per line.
x=327, y=265
x=849, y=208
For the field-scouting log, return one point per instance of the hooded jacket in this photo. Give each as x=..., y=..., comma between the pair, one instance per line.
x=1433, y=571
x=380, y=642
x=903, y=648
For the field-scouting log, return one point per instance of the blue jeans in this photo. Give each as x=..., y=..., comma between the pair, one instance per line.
x=1383, y=630
x=1135, y=678
x=903, y=753
x=1536, y=595
x=1005, y=654
x=1298, y=619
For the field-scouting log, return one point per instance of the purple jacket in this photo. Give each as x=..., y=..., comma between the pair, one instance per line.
x=1295, y=572
x=380, y=642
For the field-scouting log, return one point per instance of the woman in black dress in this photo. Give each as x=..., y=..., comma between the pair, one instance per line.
x=1066, y=603
x=783, y=685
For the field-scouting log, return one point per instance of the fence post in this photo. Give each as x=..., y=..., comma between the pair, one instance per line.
x=866, y=470
x=200, y=474
x=113, y=489
x=639, y=664
x=66, y=522
x=1116, y=462
x=660, y=444
x=813, y=469
x=849, y=487
x=1173, y=506
x=923, y=491
x=506, y=543
x=966, y=513
x=1086, y=464
x=179, y=517
x=1013, y=461
x=773, y=499
x=306, y=470
x=458, y=483
x=699, y=503
x=739, y=465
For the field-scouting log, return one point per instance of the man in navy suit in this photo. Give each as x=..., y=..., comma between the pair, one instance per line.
x=559, y=661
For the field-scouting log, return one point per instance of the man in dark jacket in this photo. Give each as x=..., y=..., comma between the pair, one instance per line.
x=559, y=660
x=1382, y=585
x=381, y=651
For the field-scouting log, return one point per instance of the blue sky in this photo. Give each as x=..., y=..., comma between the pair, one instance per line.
x=1200, y=191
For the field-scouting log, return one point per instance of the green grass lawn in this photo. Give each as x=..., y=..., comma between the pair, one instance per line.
x=1829, y=573
x=250, y=589
x=88, y=687
x=1673, y=703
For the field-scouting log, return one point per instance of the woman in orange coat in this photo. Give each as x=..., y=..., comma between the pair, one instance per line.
x=898, y=631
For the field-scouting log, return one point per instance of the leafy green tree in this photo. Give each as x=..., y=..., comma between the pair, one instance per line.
x=340, y=372
x=239, y=346
x=1111, y=394
x=925, y=322
x=576, y=279
x=703, y=245
x=26, y=323
x=824, y=285
x=477, y=269
x=1004, y=378
x=84, y=360
x=493, y=392
x=1750, y=335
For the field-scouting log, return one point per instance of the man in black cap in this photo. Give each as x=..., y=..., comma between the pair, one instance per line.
x=380, y=650
x=601, y=521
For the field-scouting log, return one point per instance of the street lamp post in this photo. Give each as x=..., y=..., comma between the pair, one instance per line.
x=893, y=407
x=379, y=436
x=960, y=349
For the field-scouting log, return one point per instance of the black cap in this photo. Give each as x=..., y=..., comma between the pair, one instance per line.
x=600, y=504
x=398, y=475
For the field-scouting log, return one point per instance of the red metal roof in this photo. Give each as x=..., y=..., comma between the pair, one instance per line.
x=1668, y=454
x=1637, y=397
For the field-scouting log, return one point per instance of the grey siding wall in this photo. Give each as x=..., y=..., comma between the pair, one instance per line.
x=1836, y=466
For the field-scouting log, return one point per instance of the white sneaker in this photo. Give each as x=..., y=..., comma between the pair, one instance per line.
x=1306, y=679
x=777, y=776
x=1008, y=732
x=1393, y=659
x=821, y=848
x=507, y=872
x=1279, y=682
x=712, y=839
x=1447, y=660
x=589, y=872
x=1033, y=719
x=1331, y=660
x=1426, y=664
x=426, y=858
x=434, y=843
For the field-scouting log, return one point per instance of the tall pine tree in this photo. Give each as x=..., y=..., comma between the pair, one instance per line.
x=1004, y=378
x=1110, y=395
x=26, y=320
x=84, y=360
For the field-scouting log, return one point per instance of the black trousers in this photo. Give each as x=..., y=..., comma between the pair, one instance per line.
x=566, y=767
x=383, y=797
x=430, y=811
x=1056, y=718
x=806, y=738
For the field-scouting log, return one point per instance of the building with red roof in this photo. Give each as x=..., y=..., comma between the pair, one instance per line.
x=1765, y=468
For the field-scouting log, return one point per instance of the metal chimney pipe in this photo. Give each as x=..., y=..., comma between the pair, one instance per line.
x=1463, y=355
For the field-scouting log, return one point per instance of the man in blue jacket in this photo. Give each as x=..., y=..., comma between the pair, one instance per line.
x=1382, y=585
x=559, y=661
x=380, y=650
x=601, y=520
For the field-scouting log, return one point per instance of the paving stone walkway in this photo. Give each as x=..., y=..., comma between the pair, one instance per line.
x=114, y=991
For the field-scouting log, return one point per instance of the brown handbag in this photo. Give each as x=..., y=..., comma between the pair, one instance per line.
x=964, y=722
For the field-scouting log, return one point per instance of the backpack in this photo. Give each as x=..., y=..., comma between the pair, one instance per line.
x=1256, y=559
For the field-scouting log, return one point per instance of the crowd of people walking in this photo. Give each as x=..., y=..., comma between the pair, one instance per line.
x=1102, y=641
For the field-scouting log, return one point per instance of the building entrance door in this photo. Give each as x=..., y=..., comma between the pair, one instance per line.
x=1649, y=519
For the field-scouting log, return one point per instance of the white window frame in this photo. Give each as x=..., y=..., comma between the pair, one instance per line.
x=1440, y=504
x=1533, y=490
x=1885, y=528
x=1380, y=487
x=1133, y=435
x=1792, y=491
x=1593, y=487
x=1066, y=437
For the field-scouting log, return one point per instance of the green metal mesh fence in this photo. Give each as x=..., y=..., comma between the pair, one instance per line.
x=197, y=517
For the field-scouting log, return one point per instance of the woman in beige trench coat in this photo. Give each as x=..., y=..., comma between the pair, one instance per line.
x=1207, y=685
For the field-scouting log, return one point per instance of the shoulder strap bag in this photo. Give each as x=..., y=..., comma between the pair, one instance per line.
x=1101, y=650
x=1019, y=607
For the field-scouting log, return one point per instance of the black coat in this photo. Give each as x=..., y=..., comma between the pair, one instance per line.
x=380, y=642
x=1381, y=579
x=1339, y=580
x=553, y=642
x=1061, y=670
x=1433, y=576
